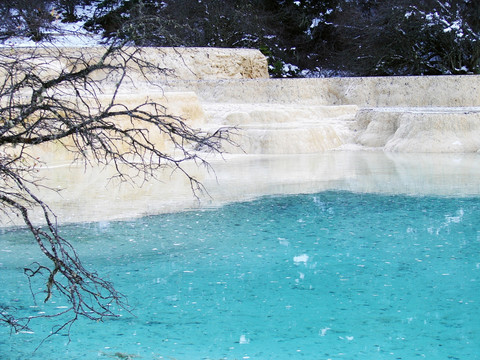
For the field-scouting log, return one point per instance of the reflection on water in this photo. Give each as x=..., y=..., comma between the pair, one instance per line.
x=87, y=195
x=360, y=171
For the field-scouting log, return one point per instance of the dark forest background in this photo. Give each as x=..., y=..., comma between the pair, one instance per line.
x=300, y=38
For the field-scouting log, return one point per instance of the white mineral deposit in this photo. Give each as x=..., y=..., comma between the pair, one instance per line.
x=292, y=136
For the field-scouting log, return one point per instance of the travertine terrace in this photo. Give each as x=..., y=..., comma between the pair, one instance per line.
x=294, y=135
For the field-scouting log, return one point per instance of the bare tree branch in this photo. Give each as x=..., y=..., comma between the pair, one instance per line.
x=49, y=96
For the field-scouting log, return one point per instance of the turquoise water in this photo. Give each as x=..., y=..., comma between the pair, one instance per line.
x=333, y=275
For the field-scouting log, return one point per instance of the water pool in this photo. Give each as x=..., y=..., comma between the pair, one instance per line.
x=331, y=275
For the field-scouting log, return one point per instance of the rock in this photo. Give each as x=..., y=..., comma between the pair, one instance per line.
x=212, y=63
x=430, y=130
x=179, y=63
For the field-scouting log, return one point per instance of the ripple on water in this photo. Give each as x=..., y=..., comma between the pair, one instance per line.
x=360, y=276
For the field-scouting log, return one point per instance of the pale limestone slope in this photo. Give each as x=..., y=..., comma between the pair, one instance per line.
x=294, y=135
x=401, y=114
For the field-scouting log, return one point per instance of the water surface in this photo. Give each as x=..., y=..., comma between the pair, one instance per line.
x=329, y=275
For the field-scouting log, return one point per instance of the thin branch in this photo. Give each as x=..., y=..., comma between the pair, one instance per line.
x=43, y=104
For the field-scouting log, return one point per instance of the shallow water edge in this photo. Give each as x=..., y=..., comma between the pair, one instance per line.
x=88, y=194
